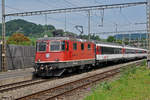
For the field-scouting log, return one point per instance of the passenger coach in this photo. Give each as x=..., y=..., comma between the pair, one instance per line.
x=108, y=52
x=133, y=53
x=112, y=52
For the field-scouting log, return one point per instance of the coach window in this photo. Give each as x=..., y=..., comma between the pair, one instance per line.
x=133, y=52
x=82, y=46
x=74, y=46
x=107, y=50
x=127, y=51
x=120, y=51
x=117, y=50
x=89, y=46
x=140, y=51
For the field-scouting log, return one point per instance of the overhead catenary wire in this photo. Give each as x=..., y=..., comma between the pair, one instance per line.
x=47, y=4
x=58, y=20
x=13, y=8
x=77, y=9
x=70, y=3
x=65, y=0
x=125, y=16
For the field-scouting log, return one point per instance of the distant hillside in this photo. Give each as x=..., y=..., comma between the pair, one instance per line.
x=134, y=36
x=37, y=30
x=25, y=27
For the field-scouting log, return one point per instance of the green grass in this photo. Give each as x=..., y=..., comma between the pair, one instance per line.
x=134, y=84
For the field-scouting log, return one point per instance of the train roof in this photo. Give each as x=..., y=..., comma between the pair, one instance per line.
x=106, y=44
x=62, y=38
x=128, y=47
x=115, y=45
x=109, y=45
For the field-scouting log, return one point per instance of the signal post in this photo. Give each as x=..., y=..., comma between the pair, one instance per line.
x=148, y=32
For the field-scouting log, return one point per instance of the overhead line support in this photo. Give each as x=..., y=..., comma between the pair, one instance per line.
x=77, y=9
x=134, y=31
x=3, y=53
x=42, y=12
x=148, y=32
x=89, y=24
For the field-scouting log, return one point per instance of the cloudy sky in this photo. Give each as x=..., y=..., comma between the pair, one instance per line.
x=125, y=18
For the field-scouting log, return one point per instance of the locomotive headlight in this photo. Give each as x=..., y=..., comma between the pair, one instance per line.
x=41, y=68
x=39, y=60
x=57, y=59
x=47, y=55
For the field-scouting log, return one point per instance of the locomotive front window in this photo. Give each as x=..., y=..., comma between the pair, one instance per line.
x=55, y=45
x=41, y=46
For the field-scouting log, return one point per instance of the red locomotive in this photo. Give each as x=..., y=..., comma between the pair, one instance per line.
x=55, y=55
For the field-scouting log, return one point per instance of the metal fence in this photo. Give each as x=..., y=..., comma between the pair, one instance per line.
x=19, y=57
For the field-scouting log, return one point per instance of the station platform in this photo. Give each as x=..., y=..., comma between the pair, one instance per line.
x=13, y=76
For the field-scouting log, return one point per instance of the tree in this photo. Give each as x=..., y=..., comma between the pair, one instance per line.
x=84, y=36
x=27, y=28
x=126, y=41
x=58, y=33
x=95, y=37
x=119, y=41
x=111, y=39
x=19, y=39
x=70, y=34
x=49, y=33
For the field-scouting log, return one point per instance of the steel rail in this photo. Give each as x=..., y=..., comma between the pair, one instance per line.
x=36, y=95
x=50, y=93
x=18, y=85
x=86, y=84
x=51, y=90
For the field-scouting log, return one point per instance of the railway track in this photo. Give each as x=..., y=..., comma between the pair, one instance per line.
x=61, y=90
x=23, y=84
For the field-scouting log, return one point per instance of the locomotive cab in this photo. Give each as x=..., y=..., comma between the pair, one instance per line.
x=48, y=55
x=49, y=51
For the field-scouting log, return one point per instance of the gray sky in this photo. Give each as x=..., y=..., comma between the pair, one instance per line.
x=125, y=17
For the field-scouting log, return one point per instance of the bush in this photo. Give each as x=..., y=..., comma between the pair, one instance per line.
x=19, y=39
x=106, y=86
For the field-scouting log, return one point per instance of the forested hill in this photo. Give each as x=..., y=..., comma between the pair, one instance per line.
x=27, y=28
x=37, y=30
